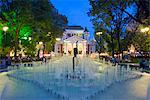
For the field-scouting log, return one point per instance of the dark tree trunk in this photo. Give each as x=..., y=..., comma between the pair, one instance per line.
x=118, y=39
x=112, y=45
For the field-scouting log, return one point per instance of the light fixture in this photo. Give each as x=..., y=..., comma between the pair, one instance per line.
x=58, y=39
x=5, y=28
x=146, y=29
x=30, y=38
x=98, y=33
x=40, y=43
x=25, y=38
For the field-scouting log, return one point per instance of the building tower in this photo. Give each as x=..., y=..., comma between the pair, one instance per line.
x=86, y=34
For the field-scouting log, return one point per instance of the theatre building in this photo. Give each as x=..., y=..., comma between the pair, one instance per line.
x=75, y=37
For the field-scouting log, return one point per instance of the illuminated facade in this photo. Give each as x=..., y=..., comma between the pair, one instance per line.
x=75, y=37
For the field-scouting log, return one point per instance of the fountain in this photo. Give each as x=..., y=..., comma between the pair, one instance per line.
x=85, y=82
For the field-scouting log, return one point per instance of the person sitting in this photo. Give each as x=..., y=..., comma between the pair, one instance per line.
x=114, y=61
x=8, y=61
x=3, y=65
x=143, y=64
x=44, y=59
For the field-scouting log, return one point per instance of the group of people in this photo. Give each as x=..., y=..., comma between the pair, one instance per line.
x=5, y=62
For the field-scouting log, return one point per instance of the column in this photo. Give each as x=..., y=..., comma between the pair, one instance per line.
x=56, y=48
x=66, y=48
x=72, y=49
x=84, y=48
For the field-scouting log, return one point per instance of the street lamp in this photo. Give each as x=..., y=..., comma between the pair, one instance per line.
x=5, y=28
x=30, y=38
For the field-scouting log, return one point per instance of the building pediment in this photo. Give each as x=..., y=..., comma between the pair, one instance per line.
x=74, y=39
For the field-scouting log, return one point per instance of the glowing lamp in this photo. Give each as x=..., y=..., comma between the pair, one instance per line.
x=146, y=29
x=98, y=33
x=58, y=39
x=5, y=28
x=30, y=38
x=25, y=38
x=40, y=43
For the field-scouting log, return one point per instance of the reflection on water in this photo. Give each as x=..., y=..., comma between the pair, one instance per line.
x=18, y=90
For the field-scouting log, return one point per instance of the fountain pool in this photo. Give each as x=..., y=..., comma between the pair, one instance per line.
x=57, y=79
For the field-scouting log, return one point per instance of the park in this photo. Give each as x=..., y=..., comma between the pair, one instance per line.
x=74, y=50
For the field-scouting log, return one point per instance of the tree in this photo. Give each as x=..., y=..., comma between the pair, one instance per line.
x=106, y=17
x=17, y=18
x=140, y=40
x=31, y=18
x=49, y=21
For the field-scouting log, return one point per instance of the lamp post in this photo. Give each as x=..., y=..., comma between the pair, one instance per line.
x=5, y=28
x=99, y=34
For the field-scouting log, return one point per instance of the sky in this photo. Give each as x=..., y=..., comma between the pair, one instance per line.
x=76, y=12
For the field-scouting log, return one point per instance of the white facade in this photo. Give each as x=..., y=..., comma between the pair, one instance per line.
x=75, y=37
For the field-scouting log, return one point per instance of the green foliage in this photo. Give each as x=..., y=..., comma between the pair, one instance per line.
x=30, y=18
x=1, y=37
x=140, y=40
x=25, y=31
x=30, y=48
x=4, y=51
x=112, y=17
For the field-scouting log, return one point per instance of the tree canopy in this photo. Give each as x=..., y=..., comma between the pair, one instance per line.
x=113, y=17
x=29, y=18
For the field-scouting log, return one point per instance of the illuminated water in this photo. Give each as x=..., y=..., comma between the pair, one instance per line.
x=56, y=80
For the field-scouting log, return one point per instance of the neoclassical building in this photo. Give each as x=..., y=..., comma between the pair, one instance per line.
x=75, y=37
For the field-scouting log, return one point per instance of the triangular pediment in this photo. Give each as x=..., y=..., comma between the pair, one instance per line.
x=75, y=39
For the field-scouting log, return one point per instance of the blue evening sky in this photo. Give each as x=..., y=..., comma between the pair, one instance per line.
x=76, y=12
